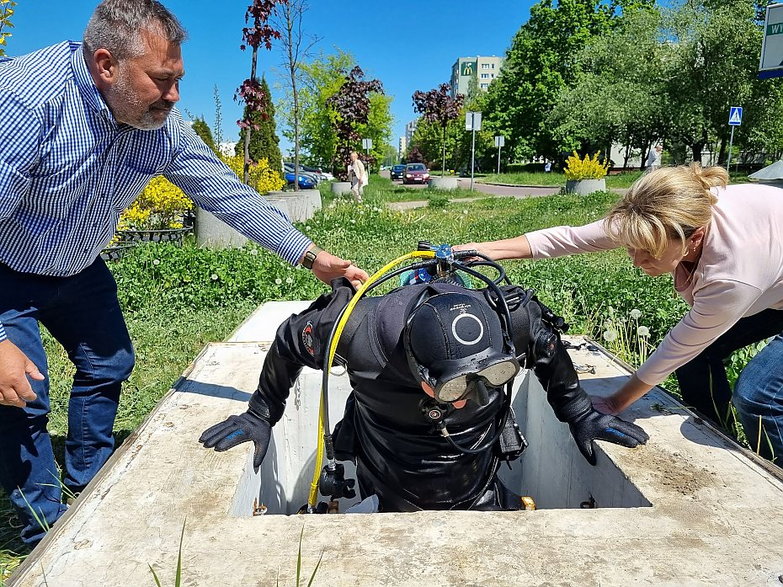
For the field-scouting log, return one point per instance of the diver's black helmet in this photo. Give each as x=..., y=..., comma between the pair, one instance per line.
x=454, y=342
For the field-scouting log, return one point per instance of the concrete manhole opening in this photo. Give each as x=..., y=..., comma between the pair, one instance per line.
x=551, y=470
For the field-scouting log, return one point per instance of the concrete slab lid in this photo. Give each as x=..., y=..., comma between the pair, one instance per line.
x=715, y=519
x=773, y=172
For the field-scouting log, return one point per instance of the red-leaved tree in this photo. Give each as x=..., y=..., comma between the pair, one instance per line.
x=439, y=107
x=255, y=34
x=352, y=105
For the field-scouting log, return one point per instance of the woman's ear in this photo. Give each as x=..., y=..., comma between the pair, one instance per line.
x=698, y=236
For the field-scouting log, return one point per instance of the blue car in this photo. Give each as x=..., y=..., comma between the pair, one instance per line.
x=305, y=181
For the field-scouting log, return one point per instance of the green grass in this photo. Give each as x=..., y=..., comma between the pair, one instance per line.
x=177, y=299
x=553, y=179
x=620, y=181
x=381, y=190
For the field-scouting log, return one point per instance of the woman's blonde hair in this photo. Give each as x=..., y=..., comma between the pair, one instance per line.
x=667, y=204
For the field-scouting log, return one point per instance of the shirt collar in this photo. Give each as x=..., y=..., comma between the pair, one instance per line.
x=84, y=81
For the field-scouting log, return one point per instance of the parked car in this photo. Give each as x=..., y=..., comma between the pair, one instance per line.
x=321, y=175
x=306, y=182
x=415, y=173
x=289, y=168
x=397, y=171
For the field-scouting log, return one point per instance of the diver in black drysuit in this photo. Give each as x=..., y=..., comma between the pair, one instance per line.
x=400, y=453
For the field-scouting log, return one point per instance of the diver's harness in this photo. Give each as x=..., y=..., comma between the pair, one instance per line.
x=441, y=262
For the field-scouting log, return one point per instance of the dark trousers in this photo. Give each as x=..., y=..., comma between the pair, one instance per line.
x=758, y=394
x=82, y=313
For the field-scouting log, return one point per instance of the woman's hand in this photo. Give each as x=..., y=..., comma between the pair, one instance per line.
x=619, y=401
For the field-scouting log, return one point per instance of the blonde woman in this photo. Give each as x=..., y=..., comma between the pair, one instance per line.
x=358, y=176
x=724, y=246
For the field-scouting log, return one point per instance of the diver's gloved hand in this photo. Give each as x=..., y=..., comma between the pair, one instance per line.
x=593, y=425
x=236, y=430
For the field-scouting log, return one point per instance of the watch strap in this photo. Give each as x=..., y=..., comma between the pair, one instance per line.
x=310, y=256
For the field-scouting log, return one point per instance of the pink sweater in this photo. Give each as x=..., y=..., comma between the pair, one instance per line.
x=740, y=272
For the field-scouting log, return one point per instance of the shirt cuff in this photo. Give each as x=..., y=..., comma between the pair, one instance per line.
x=2, y=333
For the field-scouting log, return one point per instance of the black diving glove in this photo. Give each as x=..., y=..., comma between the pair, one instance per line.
x=236, y=430
x=593, y=425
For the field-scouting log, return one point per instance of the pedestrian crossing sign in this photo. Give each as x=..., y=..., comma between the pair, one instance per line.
x=735, y=116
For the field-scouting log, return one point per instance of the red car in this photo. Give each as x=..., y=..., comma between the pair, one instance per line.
x=415, y=173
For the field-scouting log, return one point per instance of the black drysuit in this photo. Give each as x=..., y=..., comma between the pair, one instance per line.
x=399, y=454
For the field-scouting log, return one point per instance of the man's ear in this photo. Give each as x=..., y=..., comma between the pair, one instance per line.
x=104, y=67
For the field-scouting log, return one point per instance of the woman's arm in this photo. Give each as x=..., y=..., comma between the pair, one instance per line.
x=549, y=242
x=510, y=248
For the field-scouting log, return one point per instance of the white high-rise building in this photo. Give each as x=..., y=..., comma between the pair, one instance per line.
x=479, y=70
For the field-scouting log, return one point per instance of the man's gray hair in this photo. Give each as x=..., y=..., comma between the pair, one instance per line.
x=115, y=25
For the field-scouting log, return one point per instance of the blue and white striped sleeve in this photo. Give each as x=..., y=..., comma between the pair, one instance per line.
x=19, y=131
x=216, y=189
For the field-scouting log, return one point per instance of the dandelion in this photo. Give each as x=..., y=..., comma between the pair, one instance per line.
x=635, y=314
x=464, y=211
x=278, y=281
x=214, y=277
x=610, y=335
x=289, y=280
x=156, y=262
x=254, y=251
x=643, y=331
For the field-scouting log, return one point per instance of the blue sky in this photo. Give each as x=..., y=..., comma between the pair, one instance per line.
x=407, y=45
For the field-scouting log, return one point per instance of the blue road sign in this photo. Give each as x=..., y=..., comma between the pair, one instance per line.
x=735, y=116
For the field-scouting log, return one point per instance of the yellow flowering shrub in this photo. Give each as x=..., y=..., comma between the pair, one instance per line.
x=160, y=205
x=587, y=168
x=263, y=178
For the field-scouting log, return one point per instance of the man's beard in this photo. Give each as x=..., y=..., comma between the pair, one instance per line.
x=131, y=111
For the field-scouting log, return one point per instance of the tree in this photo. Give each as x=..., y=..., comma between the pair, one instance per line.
x=258, y=33
x=438, y=107
x=6, y=12
x=322, y=77
x=414, y=155
x=201, y=128
x=619, y=94
x=540, y=64
x=378, y=127
x=289, y=20
x=263, y=143
x=712, y=66
x=351, y=105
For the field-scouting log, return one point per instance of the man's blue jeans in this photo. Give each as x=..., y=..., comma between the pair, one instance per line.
x=758, y=393
x=82, y=313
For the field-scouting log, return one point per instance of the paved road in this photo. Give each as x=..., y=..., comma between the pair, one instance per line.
x=488, y=189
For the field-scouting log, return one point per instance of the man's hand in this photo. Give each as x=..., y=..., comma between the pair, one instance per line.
x=594, y=425
x=236, y=430
x=327, y=267
x=15, y=368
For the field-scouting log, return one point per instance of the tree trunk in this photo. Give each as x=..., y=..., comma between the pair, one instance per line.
x=249, y=129
x=722, y=153
x=696, y=149
x=443, y=165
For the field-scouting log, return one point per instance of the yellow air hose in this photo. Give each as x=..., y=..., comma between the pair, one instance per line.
x=319, y=455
